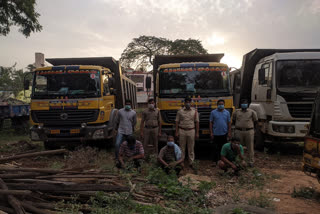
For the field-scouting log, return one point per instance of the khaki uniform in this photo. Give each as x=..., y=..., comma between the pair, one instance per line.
x=186, y=120
x=151, y=120
x=244, y=122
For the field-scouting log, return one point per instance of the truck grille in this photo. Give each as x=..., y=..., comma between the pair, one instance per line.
x=169, y=116
x=300, y=110
x=65, y=117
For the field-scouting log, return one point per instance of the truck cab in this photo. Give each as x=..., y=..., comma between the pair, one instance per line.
x=311, y=152
x=281, y=85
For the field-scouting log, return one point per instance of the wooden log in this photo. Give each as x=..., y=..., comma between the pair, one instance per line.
x=34, y=154
x=49, y=171
x=15, y=192
x=20, y=175
x=36, y=210
x=72, y=187
x=14, y=203
x=78, y=176
x=7, y=209
x=37, y=181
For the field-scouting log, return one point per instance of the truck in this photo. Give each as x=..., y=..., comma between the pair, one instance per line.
x=77, y=99
x=280, y=85
x=311, y=151
x=17, y=112
x=201, y=77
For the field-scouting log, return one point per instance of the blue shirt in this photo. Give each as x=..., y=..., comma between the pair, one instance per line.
x=220, y=121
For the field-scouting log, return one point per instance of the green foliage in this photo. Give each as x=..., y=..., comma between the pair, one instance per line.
x=239, y=211
x=57, y=165
x=19, y=13
x=140, y=52
x=11, y=79
x=253, y=179
x=303, y=192
x=262, y=200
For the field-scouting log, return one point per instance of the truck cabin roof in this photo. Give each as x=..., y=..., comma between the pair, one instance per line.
x=107, y=62
x=194, y=64
x=166, y=59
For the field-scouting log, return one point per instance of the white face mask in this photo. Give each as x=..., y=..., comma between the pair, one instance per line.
x=151, y=106
x=170, y=143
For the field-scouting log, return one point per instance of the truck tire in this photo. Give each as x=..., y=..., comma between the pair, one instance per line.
x=259, y=138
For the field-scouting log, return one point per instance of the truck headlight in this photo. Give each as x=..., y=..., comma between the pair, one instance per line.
x=283, y=128
x=98, y=134
x=83, y=125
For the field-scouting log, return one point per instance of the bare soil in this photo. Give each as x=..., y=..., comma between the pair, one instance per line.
x=282, y=173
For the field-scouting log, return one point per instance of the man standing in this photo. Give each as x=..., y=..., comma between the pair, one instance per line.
x=131, y=150
x=170, y=156
x=125, y=122
x=150, y=127
x=232, y=156
x=220, y=128
x=245, y=119
x=187, y=128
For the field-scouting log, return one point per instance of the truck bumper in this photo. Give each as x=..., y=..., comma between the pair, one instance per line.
x=99, y=132
x=288, y=129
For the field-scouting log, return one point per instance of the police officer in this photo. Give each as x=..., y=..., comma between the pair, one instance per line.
x=187, y=128
x=245, y=119
x=150, y=126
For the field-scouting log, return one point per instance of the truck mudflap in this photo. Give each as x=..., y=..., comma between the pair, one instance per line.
x=288, y=129
x=85, y=133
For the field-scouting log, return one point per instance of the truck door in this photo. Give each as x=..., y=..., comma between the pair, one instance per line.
x=262, y=87
x=108, y=99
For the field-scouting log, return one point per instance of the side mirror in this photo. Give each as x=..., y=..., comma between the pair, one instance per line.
x=148, y=82
x=262, y=76
x=26, y=84
x=111, y=82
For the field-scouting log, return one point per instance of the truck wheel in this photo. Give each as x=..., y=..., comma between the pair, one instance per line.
x=259, y=139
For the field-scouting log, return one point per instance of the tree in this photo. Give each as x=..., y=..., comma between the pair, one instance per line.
x=187, y=47
x=141, y=51
x=19, y=13
x=11, y=79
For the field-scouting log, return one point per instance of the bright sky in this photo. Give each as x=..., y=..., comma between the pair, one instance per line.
x=80, y=28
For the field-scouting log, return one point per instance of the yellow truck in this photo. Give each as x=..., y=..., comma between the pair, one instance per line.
x=77, y=99
x=201, y=77
x=311, y=152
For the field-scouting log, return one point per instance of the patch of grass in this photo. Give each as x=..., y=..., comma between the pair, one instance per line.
x=262, y=200
x=303, y=192
x=239, y=211
x=11, y=136
x=57, y=165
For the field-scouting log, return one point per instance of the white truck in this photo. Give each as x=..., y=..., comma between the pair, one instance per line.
x=280, y=85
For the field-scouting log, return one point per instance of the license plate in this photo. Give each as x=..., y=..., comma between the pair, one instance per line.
x=75, y=131
x=205, y=132
x=55, y=131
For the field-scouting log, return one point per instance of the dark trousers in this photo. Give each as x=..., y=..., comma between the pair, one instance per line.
x=219, y=141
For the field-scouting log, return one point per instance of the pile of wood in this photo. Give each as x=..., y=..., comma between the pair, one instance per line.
x=38, y=190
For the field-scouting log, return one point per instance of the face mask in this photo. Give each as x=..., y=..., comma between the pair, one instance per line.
x=244, y=106
x=188, y=105
x=127, y=107
x=151, y=106
x=170, y=143
x=220, y=107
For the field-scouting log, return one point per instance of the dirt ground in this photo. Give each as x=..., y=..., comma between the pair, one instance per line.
x=281, y=170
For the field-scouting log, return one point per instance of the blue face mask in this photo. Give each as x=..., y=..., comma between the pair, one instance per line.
x=170, y=143
x=127, y=107
x=220, y=107
x=244, y=106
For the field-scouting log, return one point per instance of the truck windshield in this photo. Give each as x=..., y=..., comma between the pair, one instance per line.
x=80, y=83
x=203, y=81
x=297, y=74
x=315, y=122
